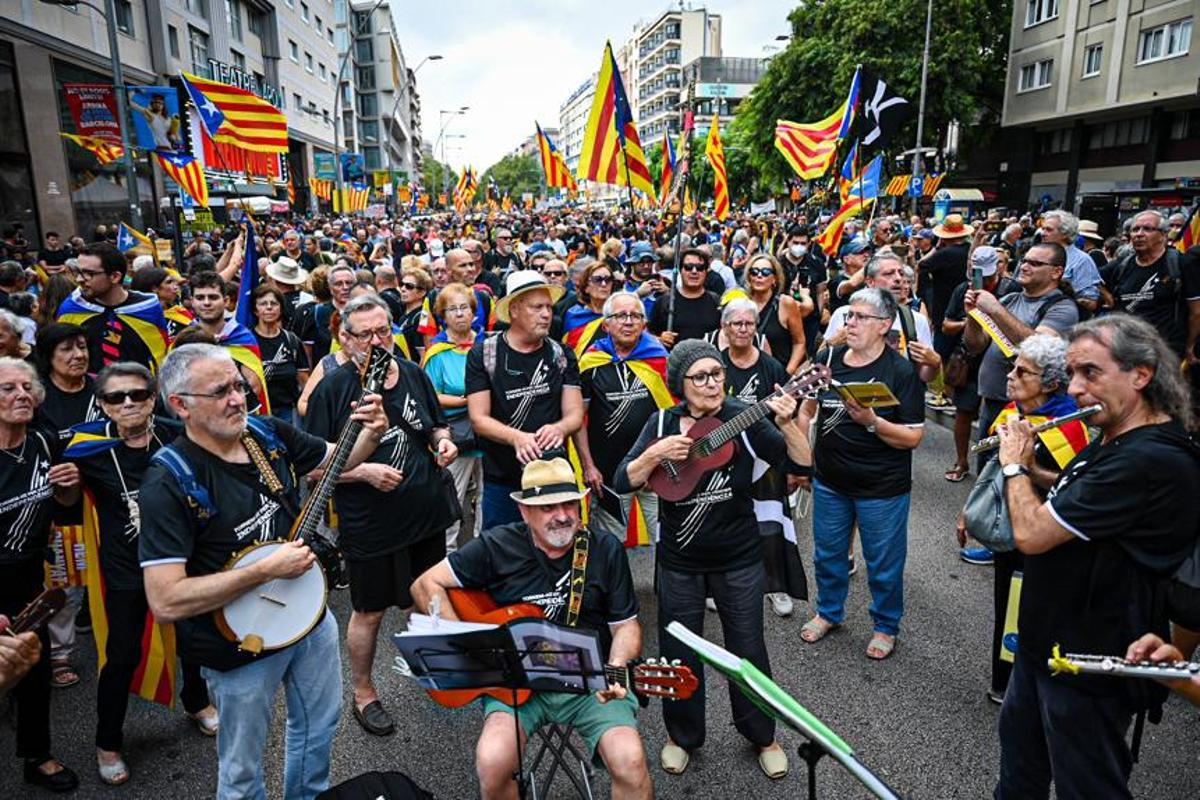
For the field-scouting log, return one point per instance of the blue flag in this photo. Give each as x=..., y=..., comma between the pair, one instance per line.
x=245, y=305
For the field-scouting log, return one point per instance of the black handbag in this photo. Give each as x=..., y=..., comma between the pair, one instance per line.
x=462, y=433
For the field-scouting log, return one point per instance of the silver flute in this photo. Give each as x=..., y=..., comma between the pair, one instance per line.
x=992, y=442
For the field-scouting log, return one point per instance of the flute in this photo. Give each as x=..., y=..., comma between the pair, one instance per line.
x=1076, y=663
x=992, y=442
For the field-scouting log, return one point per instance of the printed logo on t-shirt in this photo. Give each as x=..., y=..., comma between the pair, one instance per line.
x=551, y=602
x=539, y=384
x=261, y=526
x=833, y=411
x=749, y=392
x=632, y=390
x=398, y=437
x=718, y=490
x=281, y=357
x=29, y=502
x=1065, y=478
x=1133, y=299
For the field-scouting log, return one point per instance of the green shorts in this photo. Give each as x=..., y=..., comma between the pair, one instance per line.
x=589, y=716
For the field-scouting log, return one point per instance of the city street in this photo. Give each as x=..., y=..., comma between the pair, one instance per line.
x=920, y=719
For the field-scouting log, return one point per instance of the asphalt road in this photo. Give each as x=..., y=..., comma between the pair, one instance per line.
x=919, y=720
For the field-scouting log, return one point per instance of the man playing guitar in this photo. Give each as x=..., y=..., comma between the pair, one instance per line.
x=184, y=546
x=536, y=561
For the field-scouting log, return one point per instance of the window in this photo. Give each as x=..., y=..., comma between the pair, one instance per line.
x=254, y=22
x=1035, y=76
x=233, y=12
x=304, y=12
x=239, y=60
x=372, y=158
x=329, y=34
x=173, y=40
x=1118, y=133
x=290, y=3
x=296, y=101
x=125, y=17
x=368, y=130
x=362, y=24
x=1165, y=41
x=197, y=7
x=364, y=50
x=198, y=49
x=1039, y=11
x=323, y=72
x=308, y=63
x=317, y=24
x=368, y=105
x=1092, y=56
x=293, y=51
x=365, y=77
x=1184, y=125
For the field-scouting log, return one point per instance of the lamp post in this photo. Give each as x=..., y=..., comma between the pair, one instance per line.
x=441, y=139
x=339, y=182
x=387, y=148
x=917, y=164
x=109, y=12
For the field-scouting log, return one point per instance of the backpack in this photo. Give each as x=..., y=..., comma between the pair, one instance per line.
x=1126, y=264
x=491, y=347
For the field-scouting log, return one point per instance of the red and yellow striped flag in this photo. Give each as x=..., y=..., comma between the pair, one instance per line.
x=715, y=154
x=668, y=167
x=185, y=170
x=809, y=149
x=102, y=150
x=553, y=164
x=637, y=533
x=237, y=116
x=612, y=151
x=1189, y=237
x=832, y=234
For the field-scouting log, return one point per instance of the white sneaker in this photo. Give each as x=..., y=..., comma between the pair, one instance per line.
x=207, y=721
x=853, y=566
x=781, y=603
x=710, y=604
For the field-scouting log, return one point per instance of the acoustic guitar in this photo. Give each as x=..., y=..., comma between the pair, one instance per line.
x=645, y=678
x=713, y=441
x=282, y=611
x=39, y=611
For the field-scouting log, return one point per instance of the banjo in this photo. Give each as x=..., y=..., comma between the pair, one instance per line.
x=282, y=611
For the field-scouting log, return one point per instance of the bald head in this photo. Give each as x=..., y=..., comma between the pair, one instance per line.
x=461, y=266
x=385, y=277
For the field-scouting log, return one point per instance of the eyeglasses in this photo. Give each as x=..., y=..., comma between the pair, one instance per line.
x=1035, y=263
x=693, y=268
x=627, y=316
x=1021, y=372
x=342, y=284
x=118, y=398
x=852, y=316
x=410, y=286
x=91, y=273
x=463, y=309
x=219, y=393
x=1145, y=229
x=601, y=280
x=741, y=323
x=555, y=273
x=760, y=272
x=382, y=334
x=704, y=378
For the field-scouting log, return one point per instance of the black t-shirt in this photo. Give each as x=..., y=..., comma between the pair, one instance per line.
x=172, y=531
x=713, y=529
x=61, y=410
x=505, y=562
x=755, y=382
x=130, y=346
x=282, y=357
x=1154, y=295
x=373, y=522
x=55, y=258
x=618, y=406
x=947, y=268
x=694, y=317
x=114, y=477
x=312, y=326
x=526, y=392
x=1100, y=591
x=846, y=456
x=26, y=497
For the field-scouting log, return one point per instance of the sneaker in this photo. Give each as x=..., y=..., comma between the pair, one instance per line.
x=207, y=721
x=710, y=604
x=977, y=555
x=995, y=697
x=781, y=604
x=853, y=566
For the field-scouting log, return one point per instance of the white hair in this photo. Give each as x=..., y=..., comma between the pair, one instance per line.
x=610, y=303
x=736, y=305
x=1068, y=223
x=142, y=262
x=174, y=376
x=39, y=390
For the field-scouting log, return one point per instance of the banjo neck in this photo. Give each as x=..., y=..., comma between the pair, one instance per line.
x=306, y=523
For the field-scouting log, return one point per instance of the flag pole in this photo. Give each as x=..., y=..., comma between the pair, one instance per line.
x=917, y=165
x=628, y=182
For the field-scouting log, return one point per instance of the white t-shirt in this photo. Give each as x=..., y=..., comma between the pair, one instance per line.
x=837, y=321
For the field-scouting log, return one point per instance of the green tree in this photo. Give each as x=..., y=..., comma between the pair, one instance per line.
x=514, y=174
x=809, y=79
x=435, y=176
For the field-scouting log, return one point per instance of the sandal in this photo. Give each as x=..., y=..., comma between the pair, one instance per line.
x=113, y=774
x=880, y=646
x=958, y=473
x=62, y=675
x=816, y=629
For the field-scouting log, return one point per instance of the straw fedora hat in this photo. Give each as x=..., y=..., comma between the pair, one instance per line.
x=953, y=227
x=521, y=281
x=287, y=270
x=546, y=483
x=1088, y=229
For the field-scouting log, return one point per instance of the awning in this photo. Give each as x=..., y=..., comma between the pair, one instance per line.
x=961, y=195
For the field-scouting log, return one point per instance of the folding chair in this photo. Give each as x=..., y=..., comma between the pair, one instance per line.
x=555, y=746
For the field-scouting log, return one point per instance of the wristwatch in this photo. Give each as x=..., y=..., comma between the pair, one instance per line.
x=874, y=426
x=1013, y=470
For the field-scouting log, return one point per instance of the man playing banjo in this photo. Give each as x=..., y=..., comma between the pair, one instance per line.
x=186, y=541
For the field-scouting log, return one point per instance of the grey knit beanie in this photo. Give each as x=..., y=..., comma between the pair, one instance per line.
x=686, y=353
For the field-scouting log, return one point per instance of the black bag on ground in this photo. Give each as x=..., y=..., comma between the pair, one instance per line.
x=376, y=786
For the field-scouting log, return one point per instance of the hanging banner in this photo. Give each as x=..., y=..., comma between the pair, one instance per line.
x=155, y=113
x=354, y=166
x=94, y=109
x=379, y=178
x=325, y=166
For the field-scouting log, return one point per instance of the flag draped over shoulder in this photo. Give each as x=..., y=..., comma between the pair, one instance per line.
x=612, y=151
x=715, y=153
x=668, y=167
x=553, y=164
x=1063, y=442
x=647, y=360
x=809, y=148
x=442, y=343
x=237, y=116
x=144, y=317
x=105, y=152
x=185, y=170
x=580, y=325
x=240, y=341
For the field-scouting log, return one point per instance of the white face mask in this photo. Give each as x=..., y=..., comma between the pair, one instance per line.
x=797, y=250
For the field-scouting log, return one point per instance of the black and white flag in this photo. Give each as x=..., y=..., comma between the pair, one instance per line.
x=881, y=111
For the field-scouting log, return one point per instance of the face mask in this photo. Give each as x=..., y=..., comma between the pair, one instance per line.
x=797, y=250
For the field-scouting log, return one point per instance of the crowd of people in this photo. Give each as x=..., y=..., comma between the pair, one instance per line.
x=542, y=368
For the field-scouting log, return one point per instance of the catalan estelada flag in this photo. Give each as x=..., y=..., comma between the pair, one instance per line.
x=351, y=198
x=849, y=170
x=581, y=326
x=1063, y=442
x=668, y=167
x=142, y=314
x=715, y=154
x=637, y=532
x=129, y=237
x=865, y=184
x=244, y=311
x=553, y=164
x=242, y=345
x=809, y=149
x=832, y=234
x=237, y=116
x=185, y=170
x=102, y=150
x=1190, y=235
x=647, y=360
x=612, y=151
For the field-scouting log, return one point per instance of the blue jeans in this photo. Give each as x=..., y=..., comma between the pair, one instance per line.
x=311, y=674
x=883, y=530
x=498, y=506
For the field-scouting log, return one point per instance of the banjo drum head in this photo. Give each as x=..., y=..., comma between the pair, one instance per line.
x=280, y=611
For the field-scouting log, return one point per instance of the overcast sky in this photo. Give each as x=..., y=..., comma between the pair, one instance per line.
x=515, y=62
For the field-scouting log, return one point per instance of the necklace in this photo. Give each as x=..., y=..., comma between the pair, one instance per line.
x=19, y=457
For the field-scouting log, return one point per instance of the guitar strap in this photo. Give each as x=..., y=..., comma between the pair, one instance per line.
x=578, y=574
x=267, y=478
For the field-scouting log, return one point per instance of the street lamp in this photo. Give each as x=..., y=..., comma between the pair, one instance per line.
x=441, y=138
x=109, y=12
x=337, y=94
x=387, y=148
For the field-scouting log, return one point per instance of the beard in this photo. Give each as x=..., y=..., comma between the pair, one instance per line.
x=560, y=533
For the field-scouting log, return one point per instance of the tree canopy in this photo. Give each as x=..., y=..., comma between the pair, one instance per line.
x=515, y=174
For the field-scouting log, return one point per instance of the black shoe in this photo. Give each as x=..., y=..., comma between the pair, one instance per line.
x=60, y=782
x=995, y=696
x=374, y=718
x=83, y=620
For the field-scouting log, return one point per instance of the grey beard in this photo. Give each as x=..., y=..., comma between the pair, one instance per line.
x=560, y=536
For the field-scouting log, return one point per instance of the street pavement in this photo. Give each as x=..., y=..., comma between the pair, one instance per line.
x=919, y=720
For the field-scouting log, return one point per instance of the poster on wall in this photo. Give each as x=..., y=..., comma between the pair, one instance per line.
x=155, y=114
x=354, y=166
x=324, y=166
x=94, y=109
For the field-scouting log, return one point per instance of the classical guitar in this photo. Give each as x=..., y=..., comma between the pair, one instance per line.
x=277, y=613
x=39, y=611
x=649, y=678
x=713, y=441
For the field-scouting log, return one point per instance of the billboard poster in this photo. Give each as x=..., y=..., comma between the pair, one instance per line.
x=155, y=114
x=354, y=166
x=94, y=109
x=324, y=166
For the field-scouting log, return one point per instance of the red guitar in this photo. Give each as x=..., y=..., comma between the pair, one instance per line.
x=713, y=441
x=646, y=678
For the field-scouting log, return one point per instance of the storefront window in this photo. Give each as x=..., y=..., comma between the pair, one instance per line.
x=16, y=180
x=98, y=193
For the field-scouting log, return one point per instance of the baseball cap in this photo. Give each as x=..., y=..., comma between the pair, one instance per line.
x=854, y=247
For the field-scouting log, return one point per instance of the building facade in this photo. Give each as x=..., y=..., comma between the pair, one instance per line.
x=663, y=47
x=1102, y=103
x=572, y=121
x=720, y=84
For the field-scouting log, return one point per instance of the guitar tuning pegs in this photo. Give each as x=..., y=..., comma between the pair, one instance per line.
x=676, y=663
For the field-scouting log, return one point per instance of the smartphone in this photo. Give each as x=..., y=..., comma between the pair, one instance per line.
x=977, y=278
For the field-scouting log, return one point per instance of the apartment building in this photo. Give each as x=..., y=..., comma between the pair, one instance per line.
x=663, y=47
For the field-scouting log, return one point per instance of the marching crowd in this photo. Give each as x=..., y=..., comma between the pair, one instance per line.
x=545, y=369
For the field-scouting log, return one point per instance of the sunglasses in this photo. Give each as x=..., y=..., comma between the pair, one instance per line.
x=554, y=273
x=410, y=286
x=601, y=280
x=693, y=268
x=761, y=272
x=119, y=397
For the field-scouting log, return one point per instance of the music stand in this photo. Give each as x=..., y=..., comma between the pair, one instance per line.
x=776, y=703
x=489, y=666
